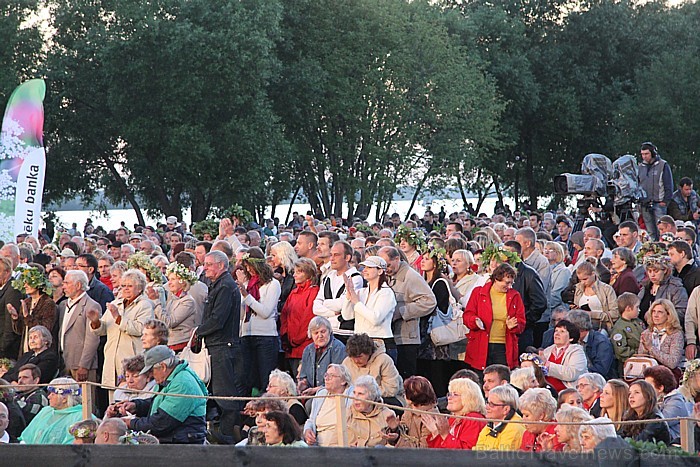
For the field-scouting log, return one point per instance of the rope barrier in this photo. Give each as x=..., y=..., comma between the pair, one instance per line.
x=345, y=396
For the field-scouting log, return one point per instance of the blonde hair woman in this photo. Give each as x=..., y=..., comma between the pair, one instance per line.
x=559, y=274
x=464, y=398
x=568, y=434
x=614, y=400
x=664, y=339
x=180, y=313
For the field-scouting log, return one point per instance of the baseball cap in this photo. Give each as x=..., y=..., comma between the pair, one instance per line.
x=155, y=355
x=374, y=262
x=67, y=253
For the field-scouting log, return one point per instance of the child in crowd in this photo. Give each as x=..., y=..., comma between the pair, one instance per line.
x=627, y=330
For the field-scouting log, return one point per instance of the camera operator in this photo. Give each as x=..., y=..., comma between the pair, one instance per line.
x=656, y=180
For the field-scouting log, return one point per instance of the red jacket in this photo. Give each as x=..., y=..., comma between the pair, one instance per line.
x=295, y=317
x=530, y=441
x=463, y=433
x=479, y=306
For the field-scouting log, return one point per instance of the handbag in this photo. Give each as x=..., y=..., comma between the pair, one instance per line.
x=447, y=327
x=635, y=366
x=200, y=362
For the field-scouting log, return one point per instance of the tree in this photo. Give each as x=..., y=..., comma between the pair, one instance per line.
x=168, y=100
x=20, y=46
x=377, y=95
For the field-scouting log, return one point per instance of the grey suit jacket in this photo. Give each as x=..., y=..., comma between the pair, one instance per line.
x=79, y=349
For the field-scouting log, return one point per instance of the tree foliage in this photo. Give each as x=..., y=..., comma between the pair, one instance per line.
x=177, y=104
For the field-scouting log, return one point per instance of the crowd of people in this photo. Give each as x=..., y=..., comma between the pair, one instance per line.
x=514, y=318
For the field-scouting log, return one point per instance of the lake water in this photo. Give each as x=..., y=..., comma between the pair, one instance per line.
x=115, y=216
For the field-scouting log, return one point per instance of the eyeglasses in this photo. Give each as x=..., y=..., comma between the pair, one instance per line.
x=328, y=375
x=582, y=385
x=82, y=265
x=492, y=404
x=453, y=394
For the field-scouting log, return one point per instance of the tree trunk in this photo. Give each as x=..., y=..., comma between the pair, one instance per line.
x=497, y=186
x=291, y=205
x=417, y=192
x=461, y=189
x=123, y=187
x=200, y=206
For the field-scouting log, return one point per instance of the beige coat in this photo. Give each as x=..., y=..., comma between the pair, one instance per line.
x=124, y=339
x=365, y=430
x=382, y=368
x=180, y=315
x=608, y=300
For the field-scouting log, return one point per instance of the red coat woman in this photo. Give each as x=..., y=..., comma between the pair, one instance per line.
x=493, y=335
x=298, y=310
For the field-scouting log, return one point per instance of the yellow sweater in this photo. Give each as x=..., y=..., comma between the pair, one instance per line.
x=508, y=440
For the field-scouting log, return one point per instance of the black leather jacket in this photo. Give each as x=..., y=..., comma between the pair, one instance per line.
x=222, y=312
x=654, y=432
x=529, y=285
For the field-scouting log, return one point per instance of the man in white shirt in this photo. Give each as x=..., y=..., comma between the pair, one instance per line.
x=329, y=301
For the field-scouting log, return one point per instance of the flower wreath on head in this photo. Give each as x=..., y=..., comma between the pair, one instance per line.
x=249, y=259
x=142, y=261
x=182, y=272
x=33, y=277
x=499, y=253
x=63, y=391
x=536, y=359
x=438, y=254
x=412, y=237
x=650, y=247
x=138, y=437
x=690, y=370
x=657, y=261
x=84, y=429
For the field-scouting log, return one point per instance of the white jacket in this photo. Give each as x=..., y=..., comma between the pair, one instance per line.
x=373, y=313
x=263, y=321
x=331, y=307
x=573, y=365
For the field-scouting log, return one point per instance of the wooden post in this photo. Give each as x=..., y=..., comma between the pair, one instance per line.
x=86, y=392
x=341, y=420
x=688, y=435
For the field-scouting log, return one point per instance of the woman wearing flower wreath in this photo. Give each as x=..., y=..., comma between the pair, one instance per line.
x=434, y=361
x=51, y=424
x=495, y=316
x=260, y=294
x=154, y=287
x=411, y=242
x=661, y=284
x=38, y=309
x=180, y=311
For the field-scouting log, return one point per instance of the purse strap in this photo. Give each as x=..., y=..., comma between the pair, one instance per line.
x=189, y=342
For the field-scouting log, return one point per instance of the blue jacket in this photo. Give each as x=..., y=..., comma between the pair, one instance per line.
x=600, y=355
x=314, y=371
